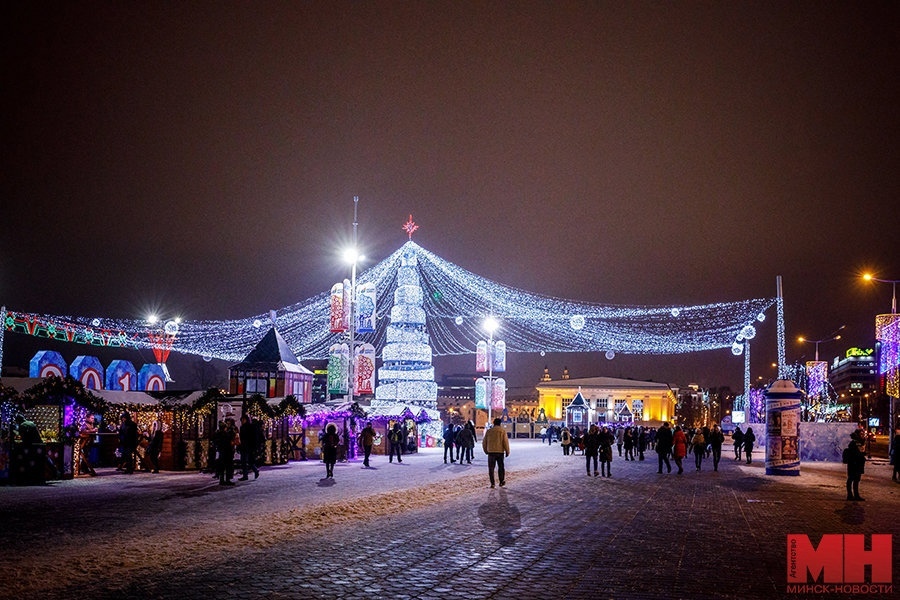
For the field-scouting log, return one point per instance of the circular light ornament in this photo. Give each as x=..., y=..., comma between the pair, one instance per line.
x=96, y=322
x=610, y=355
x=739, y=337
x=676, y=312
x=760, y=317
x=542, y=353
x=207, y=358
x=171, y=328
x=749, y=332
x=577, y=322
x=737, y=349
x=257, y=323
x=459, y=320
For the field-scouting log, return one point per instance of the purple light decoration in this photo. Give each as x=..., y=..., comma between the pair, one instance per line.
x=757, y=406
x=816, y=377
x=887, y=331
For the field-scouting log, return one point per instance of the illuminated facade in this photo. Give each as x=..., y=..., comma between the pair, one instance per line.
x=610, y=400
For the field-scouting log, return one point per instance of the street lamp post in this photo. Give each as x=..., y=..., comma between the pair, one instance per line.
x=490, y=325
x=830, y=338
x=352, y=256
x=893, y=282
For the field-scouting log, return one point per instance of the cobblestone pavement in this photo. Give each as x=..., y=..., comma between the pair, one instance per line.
x=423, y=529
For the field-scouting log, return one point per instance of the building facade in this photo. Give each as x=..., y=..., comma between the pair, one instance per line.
x=610, y=400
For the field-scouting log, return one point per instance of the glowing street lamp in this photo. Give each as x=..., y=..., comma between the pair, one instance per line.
x=834, y=335
x=893, y=282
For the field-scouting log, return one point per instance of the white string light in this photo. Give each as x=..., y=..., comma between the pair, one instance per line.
x=455, y=302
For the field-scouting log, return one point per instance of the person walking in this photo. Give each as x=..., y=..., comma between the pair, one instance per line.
x=629, y=443
x=620, y=439
x=895, y=456
x=854, y=457
x=466, y=440
x=679, y=447
x=225, y=438
x=395, y=443
x=664, y=439
x=591, y=448
x=85, y=441
x=698, y=444
x=565, y=440
x=496, y=445
x=154, y=448
x=249, y=444
x=737, y=438
x=330, y=443
x=128, y=440
x=716, y=439
x=749, y=438
x=367, y=439
x=543, y=435
x=449, y=440
x=607, y=439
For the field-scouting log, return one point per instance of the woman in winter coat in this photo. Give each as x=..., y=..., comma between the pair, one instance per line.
x=591, y=448
x=698, y=445
x=749, y=438
x=679, y=447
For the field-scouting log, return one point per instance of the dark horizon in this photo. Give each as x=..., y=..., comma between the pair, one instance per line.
x=201, y=159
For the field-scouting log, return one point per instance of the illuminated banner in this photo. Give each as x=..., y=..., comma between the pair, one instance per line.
x=481, y=393
x=120, y=375
x=151, y=378
x=338, y=365
x=365, y=308
x=364, y=370
x=89, y=371
x=345, y=305
x=498, y=394
x=336, y=316
x=47, y=363
x=499, y=357
x=481, y=357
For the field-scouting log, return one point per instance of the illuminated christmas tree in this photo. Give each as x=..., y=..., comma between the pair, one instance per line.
x=407, y=375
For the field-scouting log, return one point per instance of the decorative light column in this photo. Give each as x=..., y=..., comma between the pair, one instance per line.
x=490, y=356
x=887, y=331
x=817, y=370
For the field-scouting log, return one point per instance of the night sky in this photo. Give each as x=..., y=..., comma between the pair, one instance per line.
x=200, y=158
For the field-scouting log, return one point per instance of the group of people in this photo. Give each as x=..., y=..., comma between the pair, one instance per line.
x=669, y=442
x=461, y=440
x=228, y=439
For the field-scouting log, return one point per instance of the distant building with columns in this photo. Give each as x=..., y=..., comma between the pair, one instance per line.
x=609, y=399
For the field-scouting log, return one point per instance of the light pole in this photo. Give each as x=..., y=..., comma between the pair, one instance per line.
x=490, y=325
x=352, y=256
x=830, y=338
x=893, y=282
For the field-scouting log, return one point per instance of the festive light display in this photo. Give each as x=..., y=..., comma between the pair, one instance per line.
x=406, y=374
x=455, y=302
x=816, y=378
x=887, y=331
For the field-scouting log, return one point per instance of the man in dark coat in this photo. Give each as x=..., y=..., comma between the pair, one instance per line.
x=664, y=439
x=449, y=438
x=855, y=459
x=128, y=440
x=249, y=444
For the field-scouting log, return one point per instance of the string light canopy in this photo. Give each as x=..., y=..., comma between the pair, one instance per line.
x=456, y=303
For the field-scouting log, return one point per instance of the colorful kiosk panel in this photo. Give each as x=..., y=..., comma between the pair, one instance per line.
x=151, y=378
x=121, y=376
x=89, y=371
x=46, y=363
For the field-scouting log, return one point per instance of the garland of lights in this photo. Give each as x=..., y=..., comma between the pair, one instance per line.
x=456, y=302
